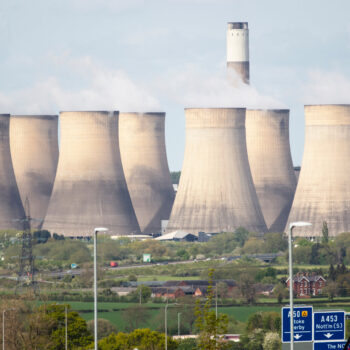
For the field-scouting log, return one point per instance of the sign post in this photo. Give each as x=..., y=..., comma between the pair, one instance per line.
x=329, y=325
x=302, y=319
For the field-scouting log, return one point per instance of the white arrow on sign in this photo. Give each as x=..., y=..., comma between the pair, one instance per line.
x=328, y=335
x=298, y=336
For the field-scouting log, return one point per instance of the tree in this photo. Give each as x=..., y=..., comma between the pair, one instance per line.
x=247, y=288
x=331, y=273
x=142, y=339
x=272, y=341
x=325, y=234
x=105, y=327
x=331, y=290
x=135, y=316
x=241, y=235
x=210, y=327
x=141, y=294
x=78, y=333
x=280, y=292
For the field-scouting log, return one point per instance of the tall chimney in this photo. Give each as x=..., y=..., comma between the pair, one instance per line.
x=238, y=49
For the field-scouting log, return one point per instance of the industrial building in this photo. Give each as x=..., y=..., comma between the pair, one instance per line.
x=90, y=188
x=216, y=191
x=34, y=150
x=11, y=208
x=237, y=49
x=323, y=191
x=271, y=164
x=145, y=164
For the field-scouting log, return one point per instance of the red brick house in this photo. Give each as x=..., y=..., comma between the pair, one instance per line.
x=306, y=285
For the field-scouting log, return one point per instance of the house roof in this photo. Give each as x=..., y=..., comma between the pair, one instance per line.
x=175, y=235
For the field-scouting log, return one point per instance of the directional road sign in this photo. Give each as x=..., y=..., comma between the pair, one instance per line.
x=331, y=345
x=329, y=325
x=302, y=318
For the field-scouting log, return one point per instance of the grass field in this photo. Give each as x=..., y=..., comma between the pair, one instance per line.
x=115, y=312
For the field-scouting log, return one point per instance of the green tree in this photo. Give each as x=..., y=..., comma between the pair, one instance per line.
x=210, y=327
x=281, y=292
x=272, y=341
x=135, y=316
x=247, y=288
x=78, y=334
x=105, y=327
x=142, y=339
x=325, y=235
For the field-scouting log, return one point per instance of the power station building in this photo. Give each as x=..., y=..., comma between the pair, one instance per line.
x=11, y=208
x=237, y=49
x=34, y=150
x=216, y=191
x=90, y=188
x=323, y=191
x=271, y=164
x=143, y=153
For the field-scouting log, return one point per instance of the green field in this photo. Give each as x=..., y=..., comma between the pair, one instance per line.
x=115, y=312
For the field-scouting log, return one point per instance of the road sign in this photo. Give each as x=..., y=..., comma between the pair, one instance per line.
x=329, y=325
x=302, y=319
x=331, y=345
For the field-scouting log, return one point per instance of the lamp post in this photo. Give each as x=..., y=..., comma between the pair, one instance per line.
x=178, y=323
x=166, y=323
x=66, y=326
x=96, y=230
x=291, y=226
x=3, y=327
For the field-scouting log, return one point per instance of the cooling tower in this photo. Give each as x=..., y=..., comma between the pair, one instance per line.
x=90, y=188
x=323, y=191
x=237, y=45
x=34, y=150
x=11, y=208
x=297, y=172
x=216, y=191
x=142, y=149
x=271, y=164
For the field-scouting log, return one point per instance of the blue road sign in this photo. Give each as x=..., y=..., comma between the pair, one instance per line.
x=329, y=325
x=302, y=319
x=331, y=345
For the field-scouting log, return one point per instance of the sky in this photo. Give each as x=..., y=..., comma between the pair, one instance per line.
x=166, y=55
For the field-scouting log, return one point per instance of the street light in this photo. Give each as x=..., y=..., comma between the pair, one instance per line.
x=178, y=323
x=291, y=226
x=166, y=323
x=96, y=230
x=3, y=327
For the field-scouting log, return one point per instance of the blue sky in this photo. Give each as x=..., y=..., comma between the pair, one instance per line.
x=165, y=55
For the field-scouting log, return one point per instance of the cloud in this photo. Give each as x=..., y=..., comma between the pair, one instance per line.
x=99, y=88
x=326, y=88
x=195, y=87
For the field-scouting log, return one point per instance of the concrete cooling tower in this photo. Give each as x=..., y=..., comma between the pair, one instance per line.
x=271, y=164
x=323, y=191
x=237, y=44
x=34, y=150
x=11, y=208
x=142, y=149
x=216, y=191
x=90, y=188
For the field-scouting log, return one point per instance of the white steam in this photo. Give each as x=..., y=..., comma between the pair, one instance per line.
x=326, y=88
x=193, y=87
x=104, y=89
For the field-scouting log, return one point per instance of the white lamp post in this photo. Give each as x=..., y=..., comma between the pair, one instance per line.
x=96, y=230
x=291, y=226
